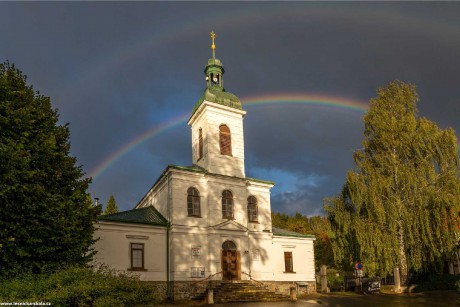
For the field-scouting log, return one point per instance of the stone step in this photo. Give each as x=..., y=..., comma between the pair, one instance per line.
x=245, y=291
x=242, y=291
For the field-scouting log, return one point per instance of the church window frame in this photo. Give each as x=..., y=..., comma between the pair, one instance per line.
x=225, y=140
x=137, y=255
x=253, y=214
x=193, y=202
x=200, y=144
x=229, y=245
x=227, y=205
x=288, y=263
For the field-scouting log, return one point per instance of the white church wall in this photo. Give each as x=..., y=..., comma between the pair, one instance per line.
x=200, y=121
x=214, y=263
x=216, y=185
x=302, y=256
x=189, y=258
x=209, y=117
x=113, y=248
x=157, y=197
x=262, y=193
x=260, y=254
x=181, y=181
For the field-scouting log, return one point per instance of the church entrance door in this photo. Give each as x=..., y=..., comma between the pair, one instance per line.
x=230, y=258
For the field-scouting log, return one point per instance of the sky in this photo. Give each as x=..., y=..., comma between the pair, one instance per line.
x=126, y=75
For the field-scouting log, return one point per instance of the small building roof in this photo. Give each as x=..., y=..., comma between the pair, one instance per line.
x=287, y=233
x=147, y=215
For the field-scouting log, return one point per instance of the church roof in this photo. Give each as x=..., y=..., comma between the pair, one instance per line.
x=218, y=95
x=192, y=168
x=260, y=180
x=287, y=233
x=197, y=169
x=147, y=215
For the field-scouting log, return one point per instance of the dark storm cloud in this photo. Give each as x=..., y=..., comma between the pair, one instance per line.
x=117, y=69
x=301, y=137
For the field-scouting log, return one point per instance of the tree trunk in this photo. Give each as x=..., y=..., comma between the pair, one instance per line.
x=402, y=254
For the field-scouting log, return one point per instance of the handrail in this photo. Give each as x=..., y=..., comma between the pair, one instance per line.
x=207, y=278
x=252, y=279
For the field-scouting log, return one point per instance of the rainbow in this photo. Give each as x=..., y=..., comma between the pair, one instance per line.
x=323, y=101
x=337, y=103
x=141, y=138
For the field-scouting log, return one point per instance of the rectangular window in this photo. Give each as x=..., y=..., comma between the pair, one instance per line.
x=137, y=256
x=288, y=263
x=198, y=272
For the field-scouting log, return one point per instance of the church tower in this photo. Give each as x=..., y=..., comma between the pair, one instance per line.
x=217, y=125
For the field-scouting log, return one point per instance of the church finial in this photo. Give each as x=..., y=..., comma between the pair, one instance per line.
x=213, y=46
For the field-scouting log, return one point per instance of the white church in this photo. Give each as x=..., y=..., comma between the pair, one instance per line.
x=207, y=221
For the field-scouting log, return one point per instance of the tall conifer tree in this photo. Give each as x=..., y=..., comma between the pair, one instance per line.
x=400, y=206
x=46, y=219
x=111, y=207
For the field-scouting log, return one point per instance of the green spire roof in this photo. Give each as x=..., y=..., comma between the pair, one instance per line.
x=218, y=95
x=147, y=215
x=215, y=91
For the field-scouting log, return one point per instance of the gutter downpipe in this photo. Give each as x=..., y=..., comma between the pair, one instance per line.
x=168, y=286
x=249, y=257
x=169, y=290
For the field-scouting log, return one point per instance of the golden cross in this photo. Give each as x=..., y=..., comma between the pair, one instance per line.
x=213, y=37
x=213, y=46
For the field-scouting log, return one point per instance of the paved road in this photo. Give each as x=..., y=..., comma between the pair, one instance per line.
x=441, y=298
x=378, y=300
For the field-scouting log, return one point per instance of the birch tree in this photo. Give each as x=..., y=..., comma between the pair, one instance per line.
x=399, y=207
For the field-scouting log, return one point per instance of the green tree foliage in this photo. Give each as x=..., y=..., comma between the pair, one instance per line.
x=399, y=207
x=46, y=219
x=318, y=226
x=80, y=286
x=111, y=207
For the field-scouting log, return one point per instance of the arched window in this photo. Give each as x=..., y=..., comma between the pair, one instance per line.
x=225, y=140
x=227, y=204
x=229, y=246
x=252, y=209
x=193, y=202
x=200, y=144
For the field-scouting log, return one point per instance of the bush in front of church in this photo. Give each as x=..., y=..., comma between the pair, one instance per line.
x=79, y=286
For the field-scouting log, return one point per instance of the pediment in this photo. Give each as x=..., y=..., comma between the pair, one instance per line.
x=229, y=225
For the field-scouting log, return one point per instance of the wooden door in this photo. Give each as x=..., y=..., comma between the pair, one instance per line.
x=230, y=265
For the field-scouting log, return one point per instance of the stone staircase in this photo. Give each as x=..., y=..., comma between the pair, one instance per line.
x=243, y=291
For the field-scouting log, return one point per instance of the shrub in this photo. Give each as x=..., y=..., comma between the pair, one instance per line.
x=79, y=286
x=434, y=282
x=334, y=278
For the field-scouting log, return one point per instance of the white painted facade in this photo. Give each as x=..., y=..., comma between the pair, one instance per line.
x=209, y=117
x=191, y=247
x=113, y=247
